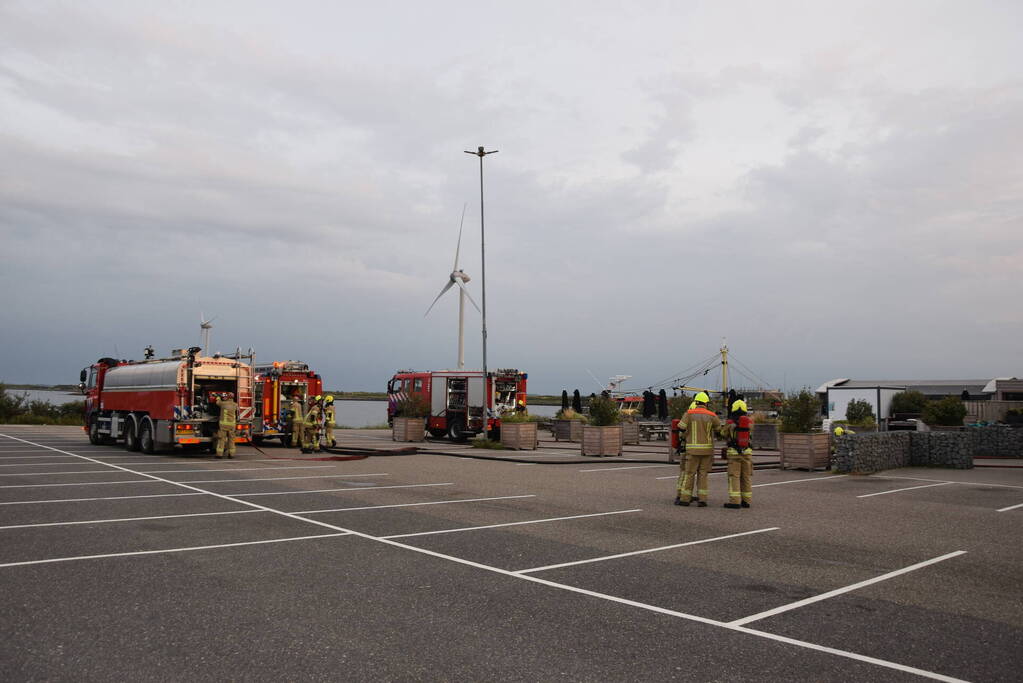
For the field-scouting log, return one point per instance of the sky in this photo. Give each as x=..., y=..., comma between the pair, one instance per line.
x=833, y=188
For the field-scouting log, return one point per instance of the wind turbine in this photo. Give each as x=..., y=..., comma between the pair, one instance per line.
x=457, y=277
x=206, y=325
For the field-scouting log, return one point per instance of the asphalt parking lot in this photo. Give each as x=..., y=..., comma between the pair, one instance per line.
x=427, y=567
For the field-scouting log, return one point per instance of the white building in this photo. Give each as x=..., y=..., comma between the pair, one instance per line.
x=836, y=394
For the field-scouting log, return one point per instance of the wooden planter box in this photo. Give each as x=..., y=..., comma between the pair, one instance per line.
x=568, y=430
x=409, y=429
x=630, y=432
x=805, y=451
x=602, y=440
x=520, y=436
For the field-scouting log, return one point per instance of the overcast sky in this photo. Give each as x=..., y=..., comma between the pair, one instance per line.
x=835, y=188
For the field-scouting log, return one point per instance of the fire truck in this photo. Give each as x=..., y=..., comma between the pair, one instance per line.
x=276, y=383
x=155, y=404
x=462, y=402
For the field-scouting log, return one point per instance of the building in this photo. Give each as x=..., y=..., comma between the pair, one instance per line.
x=836, y=394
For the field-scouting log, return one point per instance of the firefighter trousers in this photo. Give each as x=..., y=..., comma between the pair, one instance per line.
x=682, y=476
x=225, y=441
x=696, y=471
x=328, y=435
x=311, y=437
x=740, y=475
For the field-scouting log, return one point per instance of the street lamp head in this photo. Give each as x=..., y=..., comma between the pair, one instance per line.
x=480, y=153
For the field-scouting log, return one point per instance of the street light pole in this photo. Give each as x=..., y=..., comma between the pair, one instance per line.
x=483, y=271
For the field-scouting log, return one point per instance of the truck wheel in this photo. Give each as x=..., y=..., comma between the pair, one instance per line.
x=257, y=439
x=456, y=431
x=146, y=441
x=437, y=433
x=131, y=437
x=94, y=436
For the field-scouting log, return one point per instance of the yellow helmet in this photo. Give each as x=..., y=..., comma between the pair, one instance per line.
x=319, y=397
x=839, y=431
x=702, y=397
x=329, y=399
x=740, y=405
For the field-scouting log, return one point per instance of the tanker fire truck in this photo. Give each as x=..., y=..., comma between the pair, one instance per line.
x=462, y=402
x=160, y=403
x=276, y=383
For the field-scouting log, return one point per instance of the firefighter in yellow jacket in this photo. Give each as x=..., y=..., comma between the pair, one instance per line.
x=737, y=431
x=297, y=415
x=226, y=423
x=311, y=424
x=700, y=426
x=328, y=422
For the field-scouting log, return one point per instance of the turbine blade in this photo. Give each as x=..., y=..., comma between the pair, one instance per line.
x=459, y=247
x=466, y=292
x=446, y=288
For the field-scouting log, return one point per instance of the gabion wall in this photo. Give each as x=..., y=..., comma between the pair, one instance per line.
x=866, y=453
x=997, y=441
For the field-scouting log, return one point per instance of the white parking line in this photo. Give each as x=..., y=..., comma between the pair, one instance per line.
x=1011, y=507
x=675, y=476
x=36, y=464
x=408, y=505
x=494, y=526
x=172, y=550
x=573, y=589
x=289, y=493
x=80, y=500
x=127, y=519
x=640, y=552
x=630, y=467
x=946, y=481
x=911, y=488
x=107, y=471
x=800, y=481
x=76, y=483
x=311, y=476
x=840, y=591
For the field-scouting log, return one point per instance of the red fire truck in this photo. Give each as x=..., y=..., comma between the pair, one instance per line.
x=276, y=383
x=462, y=402
x=160, y=403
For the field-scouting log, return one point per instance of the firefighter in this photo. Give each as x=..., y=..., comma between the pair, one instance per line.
x=295, y=418
x=328, y=422
x=699, y=424
x=311, y=431
x=226, y=422
x=740, y=456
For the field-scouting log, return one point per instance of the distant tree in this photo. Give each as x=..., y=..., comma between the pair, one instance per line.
x=859, y=412
x=577, y=401
x=949, y=411
x=564, y=399
x=678, y=405
x=908, y=402
x=604, y=411
x=662, y=405
x=800, y=412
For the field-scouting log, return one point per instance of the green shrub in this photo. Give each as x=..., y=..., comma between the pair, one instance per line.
x=858, y=412
x=569, y=414
x=604, y=412
x=800, y=412
x=678, y=405
x=908, y=402
x=949, y=411
x=516, y=417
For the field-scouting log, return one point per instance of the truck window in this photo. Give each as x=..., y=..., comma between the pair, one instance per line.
x=417, y=385
x=92, y=378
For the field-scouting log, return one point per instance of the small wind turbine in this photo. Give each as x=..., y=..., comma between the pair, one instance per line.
x=206, y=325
x=457, y=277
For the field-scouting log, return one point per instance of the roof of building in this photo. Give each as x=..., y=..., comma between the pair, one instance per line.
x=924, y=386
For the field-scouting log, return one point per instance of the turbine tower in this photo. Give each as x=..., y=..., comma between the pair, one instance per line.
x=205, y=326
x=457, y=277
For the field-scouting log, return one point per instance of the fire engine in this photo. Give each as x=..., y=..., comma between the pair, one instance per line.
x=159, y=403
x=276, y=383
x=462, y=402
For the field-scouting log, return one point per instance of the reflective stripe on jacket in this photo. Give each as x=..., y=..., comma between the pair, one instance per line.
x=228, y=414
x=700, y=425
